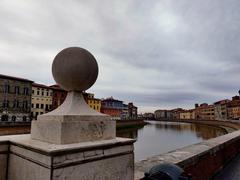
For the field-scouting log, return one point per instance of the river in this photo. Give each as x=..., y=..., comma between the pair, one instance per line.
x=154, y=138
x=160, y=137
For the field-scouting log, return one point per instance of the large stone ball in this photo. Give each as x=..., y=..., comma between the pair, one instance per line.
x=75, y=69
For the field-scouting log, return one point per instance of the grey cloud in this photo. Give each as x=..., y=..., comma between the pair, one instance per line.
x=155, y=53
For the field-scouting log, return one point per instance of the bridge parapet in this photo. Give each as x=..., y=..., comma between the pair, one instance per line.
x=202, y=160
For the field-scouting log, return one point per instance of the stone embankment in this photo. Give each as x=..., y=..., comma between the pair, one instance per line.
x=203, y=160
x=230, y=126
x=129, y=123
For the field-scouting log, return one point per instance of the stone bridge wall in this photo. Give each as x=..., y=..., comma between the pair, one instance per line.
x=202, y=160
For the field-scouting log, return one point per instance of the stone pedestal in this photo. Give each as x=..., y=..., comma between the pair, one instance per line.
x=73, y=122
x=72, y=142
x=101, y=160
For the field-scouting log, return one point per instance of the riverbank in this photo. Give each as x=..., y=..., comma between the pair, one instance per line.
x=121, y=124
x=228, y=126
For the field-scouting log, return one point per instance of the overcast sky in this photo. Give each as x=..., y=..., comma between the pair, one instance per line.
x=156, y=53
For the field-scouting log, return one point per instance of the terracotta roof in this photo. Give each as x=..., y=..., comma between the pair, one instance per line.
x=222, y=101
x=56, y=87
x=41, y=86
x=14, y=78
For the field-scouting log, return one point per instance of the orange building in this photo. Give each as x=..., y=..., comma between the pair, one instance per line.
x=94, y=103
x=207, y=112
x=112, y=107
x=204, y=112
x=233, y=108
x=58, y=97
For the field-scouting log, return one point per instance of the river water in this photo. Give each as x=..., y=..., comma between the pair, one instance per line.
x=154, y=138
x=161, y=137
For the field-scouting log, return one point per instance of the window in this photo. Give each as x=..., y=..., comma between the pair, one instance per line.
x=42, y=93
x=25, y=91
x=15, y=103
x=32, y=91
x=47, y=94
x=24, y=118
x=37, y=105
x=13, y=118
x=5, y=104
x=17, y=90
x=32, y=105
x=42, y=106
x=37, y=92
x=25, y=104
x=46, y=107
x=4, y=117
x=6, y=88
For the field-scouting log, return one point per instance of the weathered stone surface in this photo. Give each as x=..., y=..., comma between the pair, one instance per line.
x=73, y=129
x=23, y=169
x=34, y=156
x=75, y=69
x=34, y=160
x=3, y=166
x=116, y=168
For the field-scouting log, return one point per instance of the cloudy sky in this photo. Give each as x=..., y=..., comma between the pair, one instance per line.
x=156, y=53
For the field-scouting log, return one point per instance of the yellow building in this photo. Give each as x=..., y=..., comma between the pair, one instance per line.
x=187, y=115
x=41, y=99
x=94, y=103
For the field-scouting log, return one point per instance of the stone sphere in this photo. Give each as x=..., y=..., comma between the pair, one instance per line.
x=75, y=69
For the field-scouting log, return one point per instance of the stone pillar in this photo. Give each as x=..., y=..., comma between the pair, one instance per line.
x=74, y=141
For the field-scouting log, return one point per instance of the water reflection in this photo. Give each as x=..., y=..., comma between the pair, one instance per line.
x=160, y=137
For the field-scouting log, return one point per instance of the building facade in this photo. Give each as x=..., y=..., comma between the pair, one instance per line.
x=208, y=112
x=234, y=108
x=148, y=116
x=220, y=108
x=125, y=115
x=58, y=96
x=94, y=103
x=132, y=111
x=42, y=97
x=112, y=107
x=15, y=99
x=176, y=113
x=187, y=115
x=163, y=114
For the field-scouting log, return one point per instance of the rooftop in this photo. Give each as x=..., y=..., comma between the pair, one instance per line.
x=14, y=78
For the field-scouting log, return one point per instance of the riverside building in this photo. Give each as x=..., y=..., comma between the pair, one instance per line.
x=163, y=114
x=220, y=108
x=187, y=114
x=234, y=108
x=132, y=111
x=112, y=107
x=58, y=96
x=42, y=97
x=93, y=102
x=15, y=99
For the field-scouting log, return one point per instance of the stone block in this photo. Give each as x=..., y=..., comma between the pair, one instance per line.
x=73, y=129
x=20, y=168
x=115, y=168
x=3, y=166
x=103, y=160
